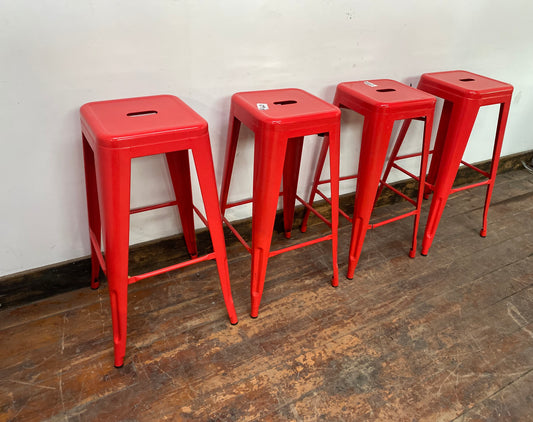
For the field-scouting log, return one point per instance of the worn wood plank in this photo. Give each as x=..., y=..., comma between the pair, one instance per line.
x=513, y=402
x=437, y=338
x=276, y=371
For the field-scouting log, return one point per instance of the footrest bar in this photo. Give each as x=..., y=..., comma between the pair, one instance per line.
x=97, y=248
x=474, y=185
x=300, y=245
x=153, y=207
x=341, y=179
x=397, y=192
x=236, y=204
x=201, y=216
x=415, y=154
x=390, y=220
x=408, y=173
x=310, y=208
x=237, y=235
x=139, y=277
x=484, y=173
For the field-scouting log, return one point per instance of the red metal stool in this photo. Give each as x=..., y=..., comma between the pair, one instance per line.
x=381, y=102
x=280, y=119
x=463, y=93
x=116, y=131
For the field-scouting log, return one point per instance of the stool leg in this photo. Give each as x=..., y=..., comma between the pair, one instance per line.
x=500, y=130
x=93, y=211
x=318, y=172
x=462, y=120
x=268, y=169
x=114, y=172
x=374, y=145
x=334, y=166
x=395, y=150
x=440, y=141
x=291, y=171
x=203, y=160
x=178, y=165
x=231, y=148
x=428, y=124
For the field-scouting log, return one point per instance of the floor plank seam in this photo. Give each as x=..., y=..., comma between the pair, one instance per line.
x=493, y=394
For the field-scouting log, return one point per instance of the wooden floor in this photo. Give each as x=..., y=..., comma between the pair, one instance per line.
x=438, y=338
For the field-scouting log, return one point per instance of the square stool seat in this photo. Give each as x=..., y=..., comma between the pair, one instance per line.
x=136, y=122
x=458, y=85
x=385, y=96
x=283, y=109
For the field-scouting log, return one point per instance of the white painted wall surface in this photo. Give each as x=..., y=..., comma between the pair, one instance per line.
x=56, y=55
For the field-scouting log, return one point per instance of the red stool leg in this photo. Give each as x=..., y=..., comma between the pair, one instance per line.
x=395, y=150
x=206, y=178
x=334, y=166
x=502, y=121
x=440, y=141
x=231, y=148
x=461, y=120
x=428, y=124
x=318, y=172
x=93, y=210
x=178, y=165
x=291, y=171
x=114, y=171
x=375, y=141
x=268, y=169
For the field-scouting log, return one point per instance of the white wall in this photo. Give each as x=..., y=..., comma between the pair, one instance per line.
x=56, y=55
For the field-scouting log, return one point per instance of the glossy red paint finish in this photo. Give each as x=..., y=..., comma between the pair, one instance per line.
x=280, y=119
x=116, y=131
x=381, y=102
x=463, y=93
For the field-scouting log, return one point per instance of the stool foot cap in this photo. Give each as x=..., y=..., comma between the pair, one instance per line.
x=483, y=233
x=423, y=254
x=234, y=323
x=287, y=235
x=254, y=317
x=119, y=366
x=412, y=253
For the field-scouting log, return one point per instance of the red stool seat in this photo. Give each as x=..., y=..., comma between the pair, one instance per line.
x=280, y=119
x=463, y=93
x=113, y=133
x=381, y=102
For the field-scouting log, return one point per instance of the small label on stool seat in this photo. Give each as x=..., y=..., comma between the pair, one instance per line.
x=370, y=84
x=262, y=106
